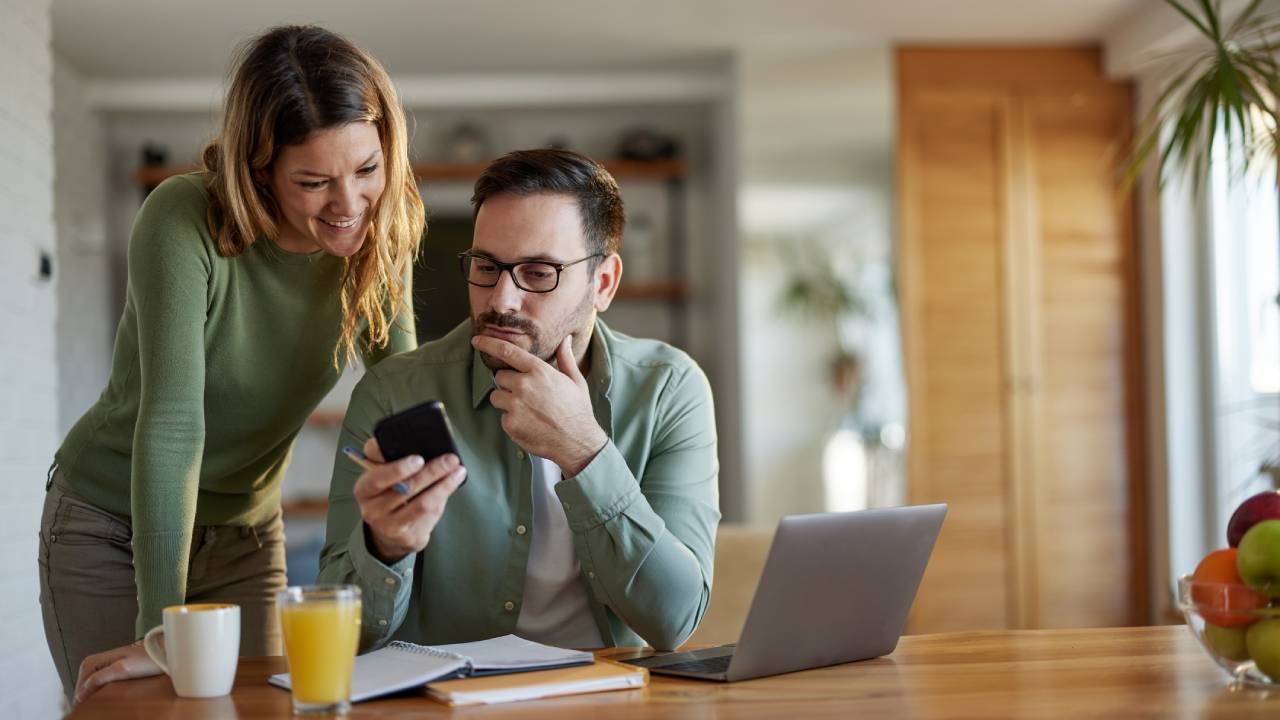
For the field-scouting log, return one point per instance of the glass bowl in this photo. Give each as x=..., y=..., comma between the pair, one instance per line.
x=1241, y=634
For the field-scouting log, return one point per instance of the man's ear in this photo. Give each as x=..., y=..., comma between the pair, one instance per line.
x=608, y=276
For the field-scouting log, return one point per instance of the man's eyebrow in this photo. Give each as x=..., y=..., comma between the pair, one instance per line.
x=313, y=173
x=522, y=259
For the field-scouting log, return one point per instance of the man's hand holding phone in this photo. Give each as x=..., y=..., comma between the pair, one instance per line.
x=400, y=523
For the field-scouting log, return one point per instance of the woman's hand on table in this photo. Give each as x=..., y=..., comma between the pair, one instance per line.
x=122, y=663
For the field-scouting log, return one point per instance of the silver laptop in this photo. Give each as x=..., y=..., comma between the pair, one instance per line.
x=836, y=588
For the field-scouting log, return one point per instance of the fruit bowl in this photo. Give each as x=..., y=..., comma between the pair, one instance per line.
x=1237, y=628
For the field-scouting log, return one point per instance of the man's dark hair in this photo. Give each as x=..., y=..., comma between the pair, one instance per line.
x=533, y=172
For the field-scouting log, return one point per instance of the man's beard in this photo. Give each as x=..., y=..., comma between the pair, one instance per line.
x=542, y=343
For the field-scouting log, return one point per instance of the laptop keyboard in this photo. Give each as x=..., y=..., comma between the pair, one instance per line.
x=717, y=664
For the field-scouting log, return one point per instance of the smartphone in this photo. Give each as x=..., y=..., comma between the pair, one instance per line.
x=421, y=430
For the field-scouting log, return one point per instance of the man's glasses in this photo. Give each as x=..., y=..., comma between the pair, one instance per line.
x=534, y=277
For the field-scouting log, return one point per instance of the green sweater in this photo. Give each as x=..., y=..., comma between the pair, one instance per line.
x=217, y=363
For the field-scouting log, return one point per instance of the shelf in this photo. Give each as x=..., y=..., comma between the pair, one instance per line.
x=661, y=170
x=305, y=508
x=620, y=169
x=654, y=290
x=152, y=175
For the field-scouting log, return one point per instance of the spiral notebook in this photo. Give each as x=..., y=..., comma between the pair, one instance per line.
x=403, y=665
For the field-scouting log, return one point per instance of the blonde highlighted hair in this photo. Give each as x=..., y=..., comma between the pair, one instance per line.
x=286, y=84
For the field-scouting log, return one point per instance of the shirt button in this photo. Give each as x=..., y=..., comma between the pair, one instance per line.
x=509, y=606
x=382, y=623
x=391, y=581
x=520, y=530
x=568, y=506
x=591, y=575
x=520, y=454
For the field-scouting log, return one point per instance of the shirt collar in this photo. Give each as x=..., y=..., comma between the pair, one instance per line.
x=482, y=382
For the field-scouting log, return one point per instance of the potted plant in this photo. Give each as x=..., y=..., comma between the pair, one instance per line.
x=1226, y=88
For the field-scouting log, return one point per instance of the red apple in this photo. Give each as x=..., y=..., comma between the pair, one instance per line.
x=1263, y=506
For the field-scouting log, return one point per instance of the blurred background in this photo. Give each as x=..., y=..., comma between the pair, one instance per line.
x=890, y=233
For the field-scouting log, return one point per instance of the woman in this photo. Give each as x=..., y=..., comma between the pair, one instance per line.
x=250, y=285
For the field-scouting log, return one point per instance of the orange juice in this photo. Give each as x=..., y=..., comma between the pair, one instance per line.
x=320, y=642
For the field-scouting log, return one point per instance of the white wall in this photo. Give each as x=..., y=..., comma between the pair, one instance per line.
x=816, y=151
x=87, y=288
x=28, y=370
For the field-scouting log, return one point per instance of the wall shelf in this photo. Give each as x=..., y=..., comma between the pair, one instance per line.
x=652, y=290
x=660, y=170
x=305, y=508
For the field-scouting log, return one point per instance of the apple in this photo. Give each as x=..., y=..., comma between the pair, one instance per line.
x=1229, y=642
x=1258, y=558
x=1263, y=506
x=1263, y=642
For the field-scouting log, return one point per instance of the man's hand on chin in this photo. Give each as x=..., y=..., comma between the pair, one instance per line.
x=546, y=409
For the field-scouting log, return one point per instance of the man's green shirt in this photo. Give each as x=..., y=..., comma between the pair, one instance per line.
x=643, y=513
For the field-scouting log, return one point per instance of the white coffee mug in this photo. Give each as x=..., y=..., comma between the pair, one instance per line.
x=201, y=648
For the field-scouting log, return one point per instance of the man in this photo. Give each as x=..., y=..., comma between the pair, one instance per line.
x=589, y=514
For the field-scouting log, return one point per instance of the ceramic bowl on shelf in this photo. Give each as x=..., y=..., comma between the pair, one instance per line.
x=1236, y=628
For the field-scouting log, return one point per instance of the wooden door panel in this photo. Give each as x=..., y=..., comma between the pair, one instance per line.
x=1085, y=529
x=958, y=452
x=1018, y=295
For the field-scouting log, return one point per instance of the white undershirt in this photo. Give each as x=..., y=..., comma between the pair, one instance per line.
x=554, y=610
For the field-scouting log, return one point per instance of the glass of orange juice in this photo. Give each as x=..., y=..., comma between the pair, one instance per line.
x=321, y=628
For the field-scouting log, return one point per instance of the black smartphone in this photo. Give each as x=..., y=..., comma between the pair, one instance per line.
x=421, y=430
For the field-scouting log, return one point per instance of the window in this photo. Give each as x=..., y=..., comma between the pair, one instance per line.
x=1246, y=327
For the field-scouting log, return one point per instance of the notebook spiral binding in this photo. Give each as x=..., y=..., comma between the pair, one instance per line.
x=416, y=649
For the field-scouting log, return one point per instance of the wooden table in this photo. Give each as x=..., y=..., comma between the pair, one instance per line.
x=1114, y=673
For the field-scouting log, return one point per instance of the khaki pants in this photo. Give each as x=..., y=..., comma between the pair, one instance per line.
x=87, y=592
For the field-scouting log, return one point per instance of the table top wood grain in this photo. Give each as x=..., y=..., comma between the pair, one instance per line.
x=1120, y=672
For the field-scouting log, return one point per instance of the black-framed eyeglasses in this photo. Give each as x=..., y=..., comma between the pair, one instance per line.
x=533, y=276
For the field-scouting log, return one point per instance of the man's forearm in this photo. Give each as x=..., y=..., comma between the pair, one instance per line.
x=384, y=589
x=646, y=555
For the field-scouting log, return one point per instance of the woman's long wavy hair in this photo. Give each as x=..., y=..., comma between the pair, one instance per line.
x=286, y=84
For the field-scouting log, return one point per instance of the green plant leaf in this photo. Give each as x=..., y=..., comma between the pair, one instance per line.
x=1191, y=16
x=1211, y=12
x=1230, y=90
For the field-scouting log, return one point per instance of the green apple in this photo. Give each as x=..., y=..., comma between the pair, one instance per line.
x=1258, y=559
x=1229, y=642
x=1262, y=639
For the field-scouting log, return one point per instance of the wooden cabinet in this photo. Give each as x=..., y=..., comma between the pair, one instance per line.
x=1019, y=298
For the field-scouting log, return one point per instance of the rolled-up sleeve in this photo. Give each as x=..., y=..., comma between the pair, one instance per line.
x=646, y=547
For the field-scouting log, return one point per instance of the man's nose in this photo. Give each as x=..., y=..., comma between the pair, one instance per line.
x=505, y=296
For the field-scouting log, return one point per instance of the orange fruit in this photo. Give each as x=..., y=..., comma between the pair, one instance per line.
x=1220, y=594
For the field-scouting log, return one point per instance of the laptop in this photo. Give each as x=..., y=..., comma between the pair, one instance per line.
x=836, y=587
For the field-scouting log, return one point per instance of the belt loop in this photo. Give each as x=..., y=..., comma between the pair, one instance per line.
x=48, y=478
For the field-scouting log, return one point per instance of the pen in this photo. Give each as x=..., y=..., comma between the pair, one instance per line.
x=359, y=458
